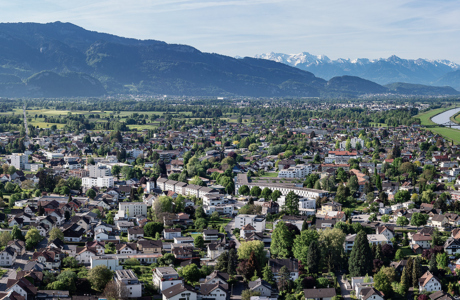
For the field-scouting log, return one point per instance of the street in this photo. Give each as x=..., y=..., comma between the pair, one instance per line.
x=229, y=230
x=343, y=287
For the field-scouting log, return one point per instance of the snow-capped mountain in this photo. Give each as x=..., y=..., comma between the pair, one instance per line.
x=382, y=70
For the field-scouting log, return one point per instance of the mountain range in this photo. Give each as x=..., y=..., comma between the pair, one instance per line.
x=65, y=60
x=382, y=71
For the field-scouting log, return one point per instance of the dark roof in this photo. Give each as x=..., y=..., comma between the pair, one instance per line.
x=277, y=263
x=319, y=293
x=205, y=289
x=176, y=289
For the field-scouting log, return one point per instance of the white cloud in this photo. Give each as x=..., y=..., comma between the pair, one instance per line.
x=337, y=28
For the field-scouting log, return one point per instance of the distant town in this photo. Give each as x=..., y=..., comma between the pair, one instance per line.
x=178, y=198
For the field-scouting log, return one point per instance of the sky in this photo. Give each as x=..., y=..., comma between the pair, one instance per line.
x=336, y=28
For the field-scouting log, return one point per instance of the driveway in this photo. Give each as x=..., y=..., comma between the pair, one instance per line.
x=343, y=287
x=229, y=229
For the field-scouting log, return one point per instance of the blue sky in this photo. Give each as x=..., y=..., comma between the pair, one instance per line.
x=336, y=28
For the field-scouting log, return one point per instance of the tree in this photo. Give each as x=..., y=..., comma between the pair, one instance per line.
x=5, y=237
x=418, y=219
x=232, y=262
x=56, y=233
x=436, y=239
x=196, y=180
x=284, y=278
x=282, y=239
x=32, y=237
x=385, y=218
x=244, y=190
x=360, y=262
x=199, y=241
x=404, y=283
x=201, y=223
x=382, y=283
x=191, y=273
x=247, y=294
x=275, y=195
x=291, y=205
x=222, y=262
x=16, y=233
x=246, y=248
x=266, y=193
x=331, y=241
x=353, y=184
x=91, y=193
x=256, y=191
x=70, y=262
x=99, y=276
x=151, y=228
x=116, y=291
x=416, y=272
x=267, y=275
x=441, y=260
x=313, y=257
x=402, y=221
x=433, y=265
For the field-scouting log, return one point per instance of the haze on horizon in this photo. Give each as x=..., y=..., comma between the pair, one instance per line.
x=335, y=28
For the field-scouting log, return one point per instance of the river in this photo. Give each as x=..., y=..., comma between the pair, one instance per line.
x=445, y=117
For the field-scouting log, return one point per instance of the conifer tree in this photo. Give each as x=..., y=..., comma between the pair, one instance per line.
x=232, y=262
x=313, y=257
x=409, y=266
x=361, y=260
x=416, y=272
x=304, y=225
x=268, y=274
x=378, y=252
x=433, y=265
x=404, y=281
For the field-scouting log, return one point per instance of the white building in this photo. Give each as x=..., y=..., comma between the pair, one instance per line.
x=179, y=292
x=353, y=142
x=257, y=222
x=299, y=171
x=165, y=278
x=109, y=261
x=7, y=257
x=130, y=280
x=19, y=161
x=132, y=209
x=102, y=182
x=429, y=283
x=98, y=171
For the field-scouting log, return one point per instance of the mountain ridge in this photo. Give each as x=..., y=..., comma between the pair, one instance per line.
x=62, y=59
x=382, y=70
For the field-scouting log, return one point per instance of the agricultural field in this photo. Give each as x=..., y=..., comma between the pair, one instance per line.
x=449, y=133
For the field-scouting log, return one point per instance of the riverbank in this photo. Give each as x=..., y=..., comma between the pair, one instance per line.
x=450, y=134
x=425, y=117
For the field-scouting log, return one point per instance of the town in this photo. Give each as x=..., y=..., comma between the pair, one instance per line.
x=242, y=199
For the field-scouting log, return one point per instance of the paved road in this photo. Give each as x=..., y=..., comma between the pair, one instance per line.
x=343, y=288
x=229, y=230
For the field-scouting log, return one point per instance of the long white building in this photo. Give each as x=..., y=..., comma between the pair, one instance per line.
x=284, y=188
x=299, y=171
x=101, y=182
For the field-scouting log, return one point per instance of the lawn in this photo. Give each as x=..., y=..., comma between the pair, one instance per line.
x=425, y=117
x=194, y=235
x=270, y=174
x=3, y=272
x=141, y=127
x=449, y=133
x=219, y=222
x=40, y=124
